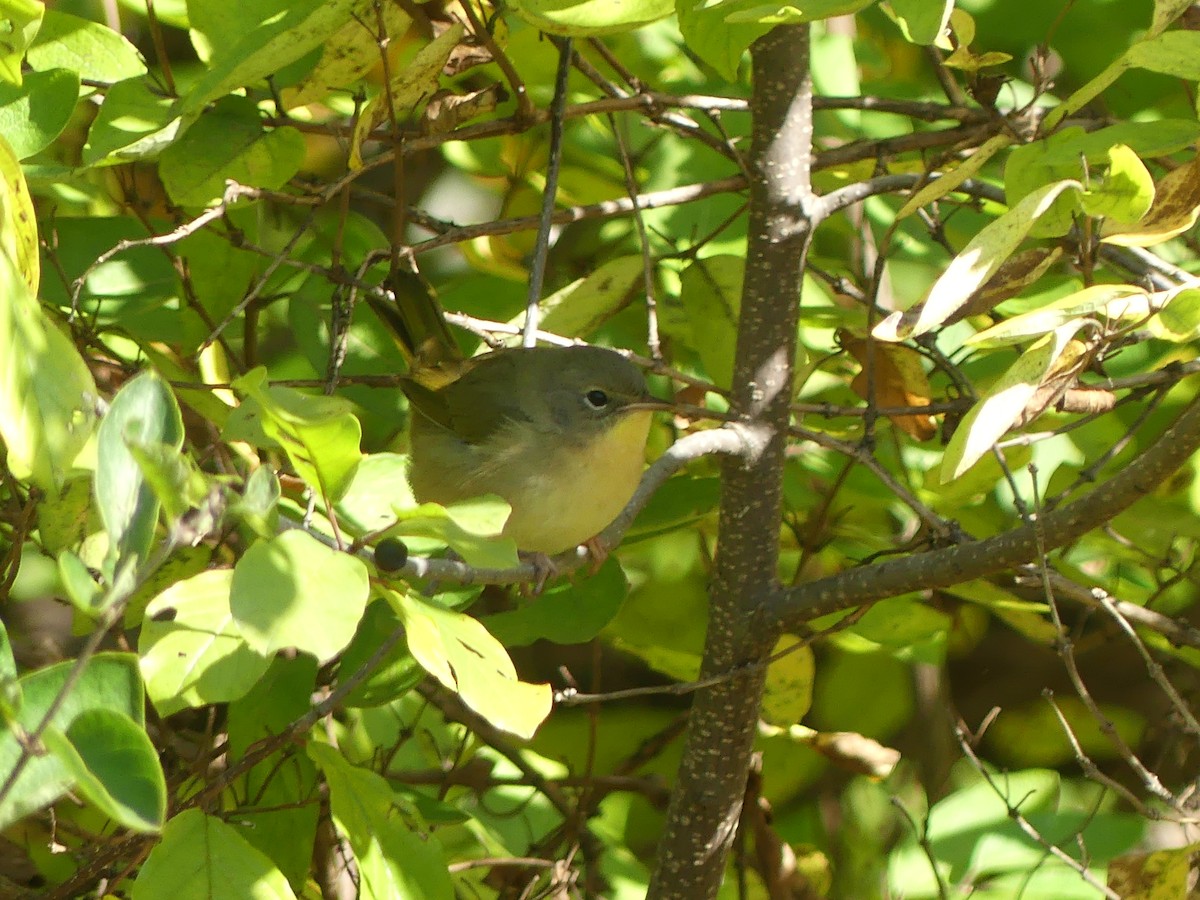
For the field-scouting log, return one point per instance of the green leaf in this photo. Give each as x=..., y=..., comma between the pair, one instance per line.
x=788, y=693
x=996, y=412
x=458, y=651
x=1179, y=320
x=319, y=434
x=276, y=41
x=393, y=675
x=184, y=562
x=11, y=696
x=18, y=223
x=980, y=805
x=949, y=181
x=1171, y=53
x=470, y=528
x=133, y=122
x=293, y=591
x=1166, y=12
x=63, y=520
x=144, y=411
x=115, y=766
x=780, y=13
x=1126, y=192
x=681, y=501
x=281, y=821
x=379, y=487
x=566, y=613
x=171, y=474
x=19, y=23
x=229, y=142
x=107, y=681
x=349, y=53
x=258, y=503
x=922, y=21
x=85, y=594
x=47, y=396
x=584, y=18
x=581, y=307
x=719, y=43
x=393, y=860
x=200, y=857
x=192, y=653
x=33, y=114
x=1034, y=735
x=971, y=269
x=912, y=630
x=93, y=51
x=711, y=291
x=1099, y=303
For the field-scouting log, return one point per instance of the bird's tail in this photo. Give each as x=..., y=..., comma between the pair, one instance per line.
x=418, y=323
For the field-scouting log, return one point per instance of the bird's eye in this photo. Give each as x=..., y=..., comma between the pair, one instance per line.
x=596, y=399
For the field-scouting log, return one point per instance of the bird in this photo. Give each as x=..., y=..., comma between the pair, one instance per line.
x=558, y=432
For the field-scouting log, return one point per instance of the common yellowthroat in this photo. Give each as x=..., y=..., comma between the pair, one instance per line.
x=557, y=432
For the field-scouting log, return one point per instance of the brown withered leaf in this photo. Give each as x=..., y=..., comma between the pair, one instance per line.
x=1016, y=274
x=467, y=55
x=1163, y=873
x=857, y=753
x=446, y=110
x=899, y=380
x=1087, y=400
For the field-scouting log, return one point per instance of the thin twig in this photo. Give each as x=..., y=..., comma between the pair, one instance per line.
x=541, y=251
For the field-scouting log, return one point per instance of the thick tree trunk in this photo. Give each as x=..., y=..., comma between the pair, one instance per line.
x=706, y=803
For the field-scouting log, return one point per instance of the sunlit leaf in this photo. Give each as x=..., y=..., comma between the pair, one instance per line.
x=787, y=695
x=319, y=434
x=228, y=141
x=47, y=395
x=571, y=18
x=96, y=52
x=458, y=651
x=977, y=262
x=350, y=52
x=200, y=857
x=192, y=652
x=393, y=860
x=1175, y=209
x=19, y=23
x=409, y=87
x=293, y=591
x=35, y=113
x=144, y=411
x=1126, y=191
x=922, y=21
x=1004, y=402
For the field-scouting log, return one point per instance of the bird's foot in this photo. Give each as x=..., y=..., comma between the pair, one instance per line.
x=544, y=569
x=598, y=550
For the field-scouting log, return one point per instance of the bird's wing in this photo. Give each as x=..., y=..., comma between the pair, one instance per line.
x=480, y=403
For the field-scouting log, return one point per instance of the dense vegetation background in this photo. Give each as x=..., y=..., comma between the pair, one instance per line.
x=911, y=608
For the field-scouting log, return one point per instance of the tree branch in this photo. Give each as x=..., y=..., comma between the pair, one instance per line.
x=955, y=565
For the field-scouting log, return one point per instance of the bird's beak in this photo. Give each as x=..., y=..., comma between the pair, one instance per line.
x=649, y=402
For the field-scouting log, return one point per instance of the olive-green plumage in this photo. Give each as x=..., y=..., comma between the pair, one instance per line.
x=557, y=432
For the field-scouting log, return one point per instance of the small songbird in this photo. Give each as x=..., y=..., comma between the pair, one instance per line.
x=557, y=432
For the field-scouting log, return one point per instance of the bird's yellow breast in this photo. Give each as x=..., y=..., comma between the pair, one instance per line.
x=575, y=490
